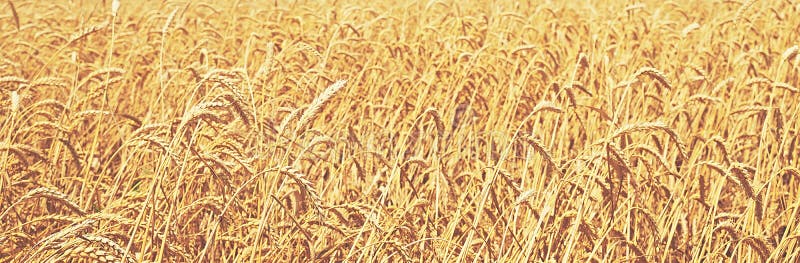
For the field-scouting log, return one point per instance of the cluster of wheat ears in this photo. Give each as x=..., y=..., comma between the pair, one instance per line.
x=260, y=131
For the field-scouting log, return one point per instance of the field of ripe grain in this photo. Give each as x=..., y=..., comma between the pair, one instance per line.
x=399, y=131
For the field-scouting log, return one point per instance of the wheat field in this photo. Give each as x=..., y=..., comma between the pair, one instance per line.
x=399, y=131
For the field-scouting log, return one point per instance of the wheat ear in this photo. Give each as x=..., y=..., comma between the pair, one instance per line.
x=311, y=112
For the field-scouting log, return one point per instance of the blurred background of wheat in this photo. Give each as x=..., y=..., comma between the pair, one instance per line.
x=660, y=131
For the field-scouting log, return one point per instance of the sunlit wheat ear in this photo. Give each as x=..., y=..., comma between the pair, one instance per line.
x=114, y=8
x=98, y=249
x=168, y=22
x=49, y=194
x=313, y=109
x=437, y=119
x=305, y=186
x=312, y=50
x=706, y=99
x=15, y=101
x=728, y=227
x=538, y=146
x=790, y=53
x=238, y=107
x=86, y=32
x=721, y=145
x=416, y=160
x=291, y=117
x=742, y=10
x=654, y=73
x=266, y=66
x=583, y=62
x=617, y=159
x=648, y=217
x=44, y=127
x=149, y=129
x=688, y=29
x=55, y=239
x=14, y=14
x=546, y=106
x=161, y=143
x=652, y=126
x=739, y=173
x=212, y=203
x=49, y=81
x=207, y=111
x=645, y=148
x=722, y=84
x=751, y=110
x=699, y=70
x=84, y=252
x=758, y=244
x=13, y=80
x=21, y=151
x=324, y=140
x=758, y=81
x=542, y=106
x=785, y=86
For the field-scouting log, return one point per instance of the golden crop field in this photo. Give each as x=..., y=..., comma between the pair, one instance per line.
x=399, y=131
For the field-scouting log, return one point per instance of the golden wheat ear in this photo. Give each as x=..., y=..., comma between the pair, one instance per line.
x=313, y=109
